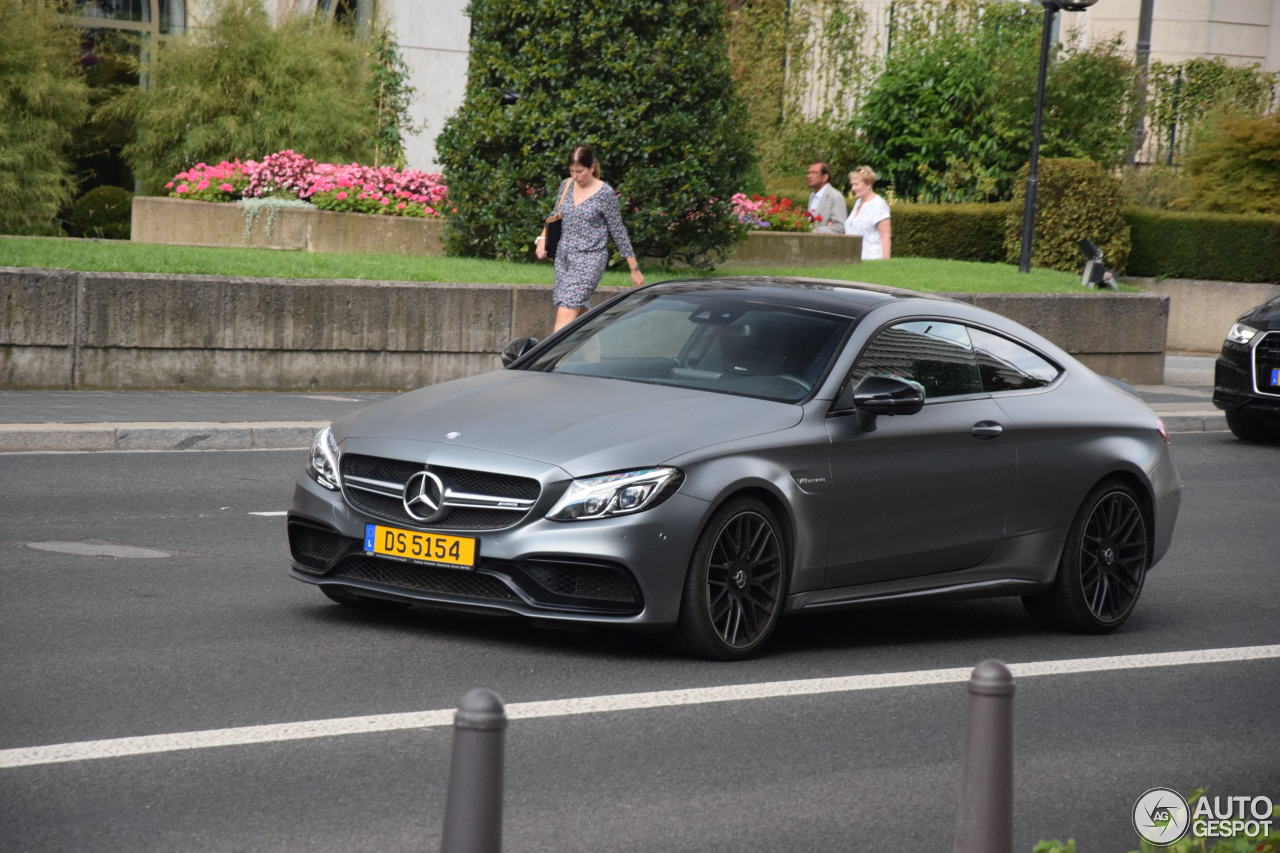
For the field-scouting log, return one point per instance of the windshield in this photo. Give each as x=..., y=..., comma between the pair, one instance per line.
x=728, y=343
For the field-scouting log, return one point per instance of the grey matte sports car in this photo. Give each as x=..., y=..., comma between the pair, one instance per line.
x=701, y=457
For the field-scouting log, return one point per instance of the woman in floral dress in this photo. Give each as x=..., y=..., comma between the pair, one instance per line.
x=589, y=216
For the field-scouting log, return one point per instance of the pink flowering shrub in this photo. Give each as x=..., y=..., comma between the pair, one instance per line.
x=362, y=189
x=223, y=182
x=285, y=173
x=349, y=188
x=772, y=213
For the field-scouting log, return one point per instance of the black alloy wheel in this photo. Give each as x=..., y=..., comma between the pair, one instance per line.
x=734, y=592
x=1103, y=566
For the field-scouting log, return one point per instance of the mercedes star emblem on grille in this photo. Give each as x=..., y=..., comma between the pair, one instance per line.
x=424, y=496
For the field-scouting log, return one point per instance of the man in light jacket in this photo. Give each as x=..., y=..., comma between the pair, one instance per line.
x=825, y=201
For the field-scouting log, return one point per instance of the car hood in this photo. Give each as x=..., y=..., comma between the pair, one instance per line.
x=1266, y=316
x=583, y=424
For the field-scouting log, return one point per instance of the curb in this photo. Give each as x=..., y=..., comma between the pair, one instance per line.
x=242, y=435
x=1210, y=421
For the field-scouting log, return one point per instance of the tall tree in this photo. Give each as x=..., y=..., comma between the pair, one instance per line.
x=43, y=98
x=645, y=83
x=240, y=87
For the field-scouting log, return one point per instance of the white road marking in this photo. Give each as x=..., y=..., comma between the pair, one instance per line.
x=128, y=746
x=270, y=514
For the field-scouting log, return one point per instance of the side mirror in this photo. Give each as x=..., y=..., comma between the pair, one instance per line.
x=884, y=395
x=517, y=348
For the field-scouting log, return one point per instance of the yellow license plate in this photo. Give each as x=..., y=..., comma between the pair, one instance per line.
x=419, y=547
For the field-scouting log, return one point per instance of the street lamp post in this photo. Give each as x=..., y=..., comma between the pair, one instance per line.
x=1051, y=8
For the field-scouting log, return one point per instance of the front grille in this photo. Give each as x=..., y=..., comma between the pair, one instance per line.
x=453, y=582
x=316, y=546
x=1266, y=358
x=1229, y=378
x=375, y=485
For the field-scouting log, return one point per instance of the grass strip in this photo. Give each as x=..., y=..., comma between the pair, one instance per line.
x=926, y=274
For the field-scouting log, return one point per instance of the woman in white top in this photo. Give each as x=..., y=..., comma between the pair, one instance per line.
x=870, y=216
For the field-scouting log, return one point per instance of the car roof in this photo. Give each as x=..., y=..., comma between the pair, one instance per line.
x=848, y=298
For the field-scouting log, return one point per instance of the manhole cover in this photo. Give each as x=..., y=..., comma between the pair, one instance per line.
x=99, y=549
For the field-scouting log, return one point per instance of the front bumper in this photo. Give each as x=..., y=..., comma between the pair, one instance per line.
x=1242, y=378
x=625, y=570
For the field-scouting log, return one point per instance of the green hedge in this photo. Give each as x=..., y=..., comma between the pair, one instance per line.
x=958, y=232
x=1213, y=246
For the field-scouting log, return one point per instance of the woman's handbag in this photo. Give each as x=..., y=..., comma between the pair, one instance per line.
x=554, y=225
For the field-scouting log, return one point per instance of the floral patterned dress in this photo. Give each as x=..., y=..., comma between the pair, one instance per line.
x=583, y=254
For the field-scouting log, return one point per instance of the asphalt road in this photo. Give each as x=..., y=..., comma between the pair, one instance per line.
x=206, y=632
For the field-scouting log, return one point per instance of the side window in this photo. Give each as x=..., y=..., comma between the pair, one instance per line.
x=1007, y=366
x=937, y=355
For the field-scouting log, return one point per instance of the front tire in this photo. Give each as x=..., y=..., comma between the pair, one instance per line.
x=1246, y=428
x=1103, y=565
x=736, y=584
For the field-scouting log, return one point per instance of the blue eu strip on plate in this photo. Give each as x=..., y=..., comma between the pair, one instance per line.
x=1275, y=376
x=368, y=536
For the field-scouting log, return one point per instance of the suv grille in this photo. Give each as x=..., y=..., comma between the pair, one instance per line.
x=1266, y=358
x=472, y=500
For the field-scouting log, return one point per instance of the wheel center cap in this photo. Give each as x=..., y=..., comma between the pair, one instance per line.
x=1109, y=556
x=740, y=578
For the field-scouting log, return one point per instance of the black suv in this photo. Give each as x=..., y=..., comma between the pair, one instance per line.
x=1246, y=379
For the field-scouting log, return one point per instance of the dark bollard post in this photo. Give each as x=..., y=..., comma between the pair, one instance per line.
x=985, y=822
x=473, y=803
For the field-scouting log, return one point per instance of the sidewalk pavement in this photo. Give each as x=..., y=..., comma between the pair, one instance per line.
x=52, y=421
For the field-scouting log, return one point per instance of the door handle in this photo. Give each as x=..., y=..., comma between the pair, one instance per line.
x=986, y=429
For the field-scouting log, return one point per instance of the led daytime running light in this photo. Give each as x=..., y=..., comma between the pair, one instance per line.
x=615, y=494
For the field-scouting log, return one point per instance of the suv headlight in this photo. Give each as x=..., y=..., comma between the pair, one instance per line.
x=615, y=494
x=1239, y=333
x=322, y=463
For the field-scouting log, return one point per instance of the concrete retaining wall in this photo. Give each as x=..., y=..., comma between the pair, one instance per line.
x=781, y=248
x=1200, y=312
x=62, y=329
x=200, y=223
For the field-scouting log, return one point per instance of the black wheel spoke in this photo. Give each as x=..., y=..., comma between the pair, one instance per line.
x=744, y=579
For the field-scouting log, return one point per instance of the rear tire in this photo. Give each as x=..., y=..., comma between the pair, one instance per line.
x=349, y=598
x=1104, y=563
x=1246, y=428
x=736, y=584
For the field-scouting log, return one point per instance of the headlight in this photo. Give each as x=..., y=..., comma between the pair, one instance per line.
x=322, y=464
x=1239, y=333
x=615, y=494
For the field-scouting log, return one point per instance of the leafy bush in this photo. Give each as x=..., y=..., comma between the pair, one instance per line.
x=1075, y=200
x=104, y=212
x=239, y=86
x=1152, y=186
x=961, y=232
x=646, y=84
x=1214, y=246
x=800, y=102
x=1181, y=97
x=1235, y=166
x=43, y=99
x=950, y=118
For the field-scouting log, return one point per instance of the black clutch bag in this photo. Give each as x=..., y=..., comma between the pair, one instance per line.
x=554, y=225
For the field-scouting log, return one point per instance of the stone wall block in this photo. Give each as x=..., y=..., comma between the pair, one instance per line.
x=37, y=306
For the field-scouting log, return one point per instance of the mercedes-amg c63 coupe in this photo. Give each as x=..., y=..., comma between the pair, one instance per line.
x=700, y=458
